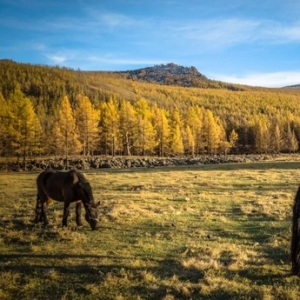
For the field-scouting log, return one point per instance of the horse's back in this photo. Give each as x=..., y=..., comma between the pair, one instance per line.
x=56, y=185
x=50, y=183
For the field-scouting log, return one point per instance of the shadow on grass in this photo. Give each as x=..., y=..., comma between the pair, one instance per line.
x=46, y=271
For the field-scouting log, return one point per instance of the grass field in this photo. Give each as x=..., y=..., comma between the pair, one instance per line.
x=201, y=232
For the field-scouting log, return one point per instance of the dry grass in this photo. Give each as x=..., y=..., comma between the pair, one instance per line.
x=205, y=232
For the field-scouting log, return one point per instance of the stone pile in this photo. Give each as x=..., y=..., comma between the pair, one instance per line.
x=124, y=162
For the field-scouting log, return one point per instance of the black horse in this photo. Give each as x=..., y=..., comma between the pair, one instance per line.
x=67, y=187
x=295, y=244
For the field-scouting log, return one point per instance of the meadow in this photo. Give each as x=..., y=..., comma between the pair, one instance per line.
x=199, y=232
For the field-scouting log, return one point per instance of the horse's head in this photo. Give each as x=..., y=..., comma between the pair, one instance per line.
x=85, y=194
x=91, y=215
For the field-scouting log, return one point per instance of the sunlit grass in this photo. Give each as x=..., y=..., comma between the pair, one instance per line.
x=202, y=232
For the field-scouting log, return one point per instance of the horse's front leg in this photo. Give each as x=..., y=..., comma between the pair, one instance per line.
x=66, y=213
x=38, y=210
x=44, y=213
x=78, y=213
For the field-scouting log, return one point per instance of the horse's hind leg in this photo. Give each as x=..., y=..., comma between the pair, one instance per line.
x=41, y=209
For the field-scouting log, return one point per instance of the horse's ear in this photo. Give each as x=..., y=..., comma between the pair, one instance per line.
x=75, y=178
x=98, y=203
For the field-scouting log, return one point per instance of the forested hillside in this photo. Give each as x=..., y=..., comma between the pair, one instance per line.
x=58, y=111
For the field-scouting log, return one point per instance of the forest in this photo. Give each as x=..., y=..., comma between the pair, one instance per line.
x=56, y=111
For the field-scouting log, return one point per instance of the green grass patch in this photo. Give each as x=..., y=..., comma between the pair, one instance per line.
x=200, y=232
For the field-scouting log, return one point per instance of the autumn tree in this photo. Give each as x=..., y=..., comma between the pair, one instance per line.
x=162, y=130
x=87, y=121
x=194, y=130
x=5, y=127
x=189, y=140
x=176, y=141
x=24, y=124
x=145, y=133
x=65, y=131
x=233, y=139
x=128, y=123
x=211, y=132
x=110, y=126
x=261, y=133
x=277, y=140
x=292, y=143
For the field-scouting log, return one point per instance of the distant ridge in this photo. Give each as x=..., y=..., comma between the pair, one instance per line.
x=173, y=74
x=296, y=86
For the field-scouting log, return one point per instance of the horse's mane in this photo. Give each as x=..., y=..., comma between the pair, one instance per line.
x=81, y=176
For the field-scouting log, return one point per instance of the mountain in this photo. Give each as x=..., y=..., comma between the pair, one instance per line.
x=173, y=74
x=167, y=74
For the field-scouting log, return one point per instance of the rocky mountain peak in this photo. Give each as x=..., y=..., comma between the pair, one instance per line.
x=170, y=74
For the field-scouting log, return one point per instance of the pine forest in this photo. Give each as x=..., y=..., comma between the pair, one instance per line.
x=54, y=111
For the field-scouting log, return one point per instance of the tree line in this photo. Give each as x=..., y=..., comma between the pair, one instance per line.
x=119, y=127
x=57, y=111
x=114, y=127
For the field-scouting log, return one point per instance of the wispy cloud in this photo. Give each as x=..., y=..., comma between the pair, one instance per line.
x=216, y=32
x=276, y=79
x=60, y=57
x=226, y=32
x=282, y=32
x=113, y=60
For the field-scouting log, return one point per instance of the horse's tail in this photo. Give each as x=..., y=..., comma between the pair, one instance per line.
x=295, y=246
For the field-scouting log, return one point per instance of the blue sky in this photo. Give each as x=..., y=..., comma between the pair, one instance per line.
x=247, y=42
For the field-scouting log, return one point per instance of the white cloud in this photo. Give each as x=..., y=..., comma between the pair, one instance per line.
x=282, y=33
x=57, y=59
x=228, y=32
x=124, y=61
x=61, y=57
x=216, y=32
x=276, y=79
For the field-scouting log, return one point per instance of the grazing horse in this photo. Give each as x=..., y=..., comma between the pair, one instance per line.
x=68, y=187
x=295, y=244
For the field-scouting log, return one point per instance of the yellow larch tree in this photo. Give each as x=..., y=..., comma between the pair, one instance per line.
x=128, y=123
x=162, y=130
x=65, y=130
x=24, y=124
x=87, y=121
x=6, y=129
x=211, y=132
x=145, y=141
x=110, y=126
x=176, y=134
